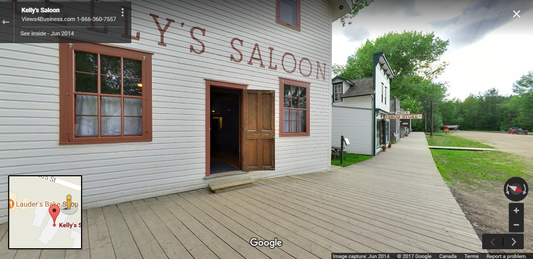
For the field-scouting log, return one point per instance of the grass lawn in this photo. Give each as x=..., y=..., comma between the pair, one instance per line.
x=448, y=140
x=479, y=168
x=349, y=159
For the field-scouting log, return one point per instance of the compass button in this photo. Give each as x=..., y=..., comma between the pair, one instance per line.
x=515, y=189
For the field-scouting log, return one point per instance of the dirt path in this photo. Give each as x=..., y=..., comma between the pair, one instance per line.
x=518, y=144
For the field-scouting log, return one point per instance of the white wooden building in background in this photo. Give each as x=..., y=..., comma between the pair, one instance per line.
x=358, y=109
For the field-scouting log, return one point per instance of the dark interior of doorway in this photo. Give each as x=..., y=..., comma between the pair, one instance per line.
x=225, y=130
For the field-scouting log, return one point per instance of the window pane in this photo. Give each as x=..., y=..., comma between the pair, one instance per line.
x=286, y=126
x=302, y=103
x=110, y=84
x=287, y=90
x=294, y=115
x=132, y=68
x=303, y=119
x=294, y=102
x=133, y=107
x=110, y=106
x=133, y=87
x=286, y=102
x=86, y=105
x=86, y=62
x=109, y=65
x=286, y=114
x=86, y=126
x=111, y=126
x=303, y=97
x=293, y=126
x=294, y=91
x=86, y=83
x=288, y=7
x=133, y=126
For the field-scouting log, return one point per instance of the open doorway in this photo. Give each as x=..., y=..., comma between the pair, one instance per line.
x=239, y=128
x=225, y=123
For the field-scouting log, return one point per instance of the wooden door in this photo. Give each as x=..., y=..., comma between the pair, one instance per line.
x=257, y=130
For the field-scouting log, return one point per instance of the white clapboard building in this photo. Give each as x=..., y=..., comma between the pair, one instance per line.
x=204, y=88
x=359, y=107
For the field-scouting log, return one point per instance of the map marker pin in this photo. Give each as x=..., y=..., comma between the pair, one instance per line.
x=54, y=211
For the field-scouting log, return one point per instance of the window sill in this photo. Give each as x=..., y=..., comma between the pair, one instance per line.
x=296, y=28
x=281, y=135
x=81, y=141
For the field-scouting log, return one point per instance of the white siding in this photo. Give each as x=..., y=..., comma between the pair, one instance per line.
x=364, y=101
x=354, y=124
x=175, y=160
x=380, y=77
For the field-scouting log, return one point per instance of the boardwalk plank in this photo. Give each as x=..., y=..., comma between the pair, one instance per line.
x=350, y=229
x=168, y=242
x=246, y=219
x=85, y=251
x=399, y=200
x=238, y=244
x=52, y=254
x=313, y=231
x=382, y=224
x=6, y=253
x=276, y=225
x=27, y=254
x=368, y=206
x=3, y=230
x=217, y=245
x=99, y=240
x=123, y=243
x=191, y=242
x=233, y=226
x=413, y=212
x=144, y=239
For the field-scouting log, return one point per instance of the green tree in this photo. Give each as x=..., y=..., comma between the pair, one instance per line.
x=408, y=53
x=357, y=6
x=524, y=84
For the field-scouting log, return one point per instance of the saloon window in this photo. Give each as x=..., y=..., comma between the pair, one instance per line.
x=294, y=108
x=288, y=13
x=105, y=94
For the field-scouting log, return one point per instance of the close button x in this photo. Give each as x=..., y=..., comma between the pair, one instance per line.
x=516, y=13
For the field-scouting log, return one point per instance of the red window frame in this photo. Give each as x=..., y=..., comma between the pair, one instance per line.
x=282, y=83
x=279, y=11
x=67, y=106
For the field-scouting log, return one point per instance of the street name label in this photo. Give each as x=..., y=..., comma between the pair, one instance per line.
x=417, y=116
x=45, y=212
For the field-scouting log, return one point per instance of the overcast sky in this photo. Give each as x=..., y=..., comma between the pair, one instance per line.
x=488, y=47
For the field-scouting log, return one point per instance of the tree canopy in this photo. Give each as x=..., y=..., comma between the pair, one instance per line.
x=492, y=111
x=408, y=53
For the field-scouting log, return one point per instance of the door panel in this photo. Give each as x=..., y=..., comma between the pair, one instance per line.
x=258, y=130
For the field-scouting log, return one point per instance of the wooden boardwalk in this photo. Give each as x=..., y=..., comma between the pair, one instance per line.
x=367, y=207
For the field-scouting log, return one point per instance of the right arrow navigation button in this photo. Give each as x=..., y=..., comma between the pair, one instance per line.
x=513, y=241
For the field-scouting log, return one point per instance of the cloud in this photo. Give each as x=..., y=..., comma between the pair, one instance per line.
x=481, y=17
x=408, y=7
x=355, y=33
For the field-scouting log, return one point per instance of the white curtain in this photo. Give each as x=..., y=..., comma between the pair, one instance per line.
x=86, y=125
x=110, y=109
x=133, y=125
x=111, y=125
